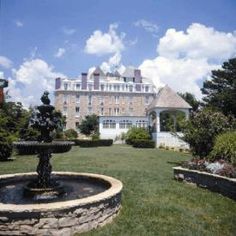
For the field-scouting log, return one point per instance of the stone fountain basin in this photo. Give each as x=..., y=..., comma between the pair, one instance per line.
x=62, y=217
x=53, y=147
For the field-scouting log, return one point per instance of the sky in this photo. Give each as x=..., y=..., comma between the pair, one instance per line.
x=174, y=42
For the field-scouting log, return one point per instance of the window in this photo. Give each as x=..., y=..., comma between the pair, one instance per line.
x=65, y=111
x=141, y=123
x=125, y=124
x=90, y=110
x=101, y=111
x=102, y=87
x=131, y=88
x=101, y=101
x=65, y=99
x=77, y=111
x=77, y=86
x=77, y=126
x=130, y=100
x=90, y=100
x=109, y=124
x=116, y=99
x=146, y=89
x=77, y=98
x=65, y=86
x=116, y=111
x=131, y=111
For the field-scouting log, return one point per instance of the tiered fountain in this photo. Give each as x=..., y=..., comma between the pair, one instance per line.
x=54, y=203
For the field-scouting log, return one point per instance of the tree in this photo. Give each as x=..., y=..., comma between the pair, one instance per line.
x=89, y=125
x=191, y=100
x=221, y=90
x=201, y=130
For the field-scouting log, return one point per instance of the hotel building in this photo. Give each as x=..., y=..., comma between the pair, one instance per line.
x=125, y=96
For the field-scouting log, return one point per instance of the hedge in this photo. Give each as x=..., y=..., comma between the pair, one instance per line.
x=93, y=143
x=143, y=143
x=5, y=150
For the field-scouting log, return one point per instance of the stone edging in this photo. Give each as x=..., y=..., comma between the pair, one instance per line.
x=225, y=186
x=61, y=218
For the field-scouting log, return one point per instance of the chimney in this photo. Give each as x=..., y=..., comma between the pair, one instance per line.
x=84, y=81
x=96, y=81
x=58, y=83
x=137, y=79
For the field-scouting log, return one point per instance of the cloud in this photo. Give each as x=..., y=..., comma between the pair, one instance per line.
x=199, y=41
x=60, y=52
x=147, y=26
x=185, y=59
x=69, y=31
x=30, y=80
x=100, y=43
x=112, y=64
x=19, y=23
x=5, y=62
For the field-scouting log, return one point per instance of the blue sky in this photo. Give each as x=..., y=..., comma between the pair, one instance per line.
x=167, y=39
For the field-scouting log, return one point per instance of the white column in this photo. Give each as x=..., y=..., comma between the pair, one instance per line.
x=157, y=121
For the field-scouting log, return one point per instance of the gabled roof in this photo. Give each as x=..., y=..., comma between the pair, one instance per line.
x=129, y=72
x=167, y=98
x=99, y=71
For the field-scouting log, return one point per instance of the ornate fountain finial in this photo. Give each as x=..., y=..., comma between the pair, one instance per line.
x=45, y=100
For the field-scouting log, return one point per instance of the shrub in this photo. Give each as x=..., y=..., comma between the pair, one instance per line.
x=5, y=150
x=71, y=134
x=105, y=142
x=143, y=143
x=95, y=136
x=93, y=143
x=135, y=133
x=225, y=147
x=86, y=143
x=203, y=127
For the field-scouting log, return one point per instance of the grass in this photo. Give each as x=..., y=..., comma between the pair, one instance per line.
x=152, y=202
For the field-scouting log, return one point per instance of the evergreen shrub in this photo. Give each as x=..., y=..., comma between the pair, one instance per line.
x=143, y=143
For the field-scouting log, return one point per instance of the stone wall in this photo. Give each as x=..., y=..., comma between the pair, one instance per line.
x=225, y=186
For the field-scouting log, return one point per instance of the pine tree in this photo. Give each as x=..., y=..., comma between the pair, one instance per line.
x=221, y=90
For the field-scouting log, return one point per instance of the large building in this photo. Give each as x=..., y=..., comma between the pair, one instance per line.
x=107, y=95
x=121, y=101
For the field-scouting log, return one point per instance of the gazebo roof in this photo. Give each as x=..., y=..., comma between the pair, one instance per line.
x=167, y=98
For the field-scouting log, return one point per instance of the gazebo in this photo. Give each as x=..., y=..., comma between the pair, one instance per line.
x=166, y=107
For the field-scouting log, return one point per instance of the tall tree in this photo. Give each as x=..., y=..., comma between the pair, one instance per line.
x=220, y=91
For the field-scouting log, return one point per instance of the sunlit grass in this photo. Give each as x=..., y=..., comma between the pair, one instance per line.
x=153, y=203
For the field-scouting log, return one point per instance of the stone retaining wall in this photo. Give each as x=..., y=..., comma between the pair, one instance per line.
x=62, y=218
x=225, y=186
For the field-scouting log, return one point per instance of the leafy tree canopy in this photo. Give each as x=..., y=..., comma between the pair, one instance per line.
x=221, y=90
x=89, y=125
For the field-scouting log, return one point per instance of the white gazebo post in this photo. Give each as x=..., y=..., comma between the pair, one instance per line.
x=158, y=124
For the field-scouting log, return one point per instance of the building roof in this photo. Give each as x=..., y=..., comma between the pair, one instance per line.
x=129, y=72
x=167, y=98
x=99, y=71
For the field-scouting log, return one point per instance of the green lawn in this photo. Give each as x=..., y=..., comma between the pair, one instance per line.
x=153, y=203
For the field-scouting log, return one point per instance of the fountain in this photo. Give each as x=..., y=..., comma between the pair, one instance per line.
x=54, y=203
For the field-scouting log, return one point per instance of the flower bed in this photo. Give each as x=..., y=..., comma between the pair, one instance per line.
x=221, y=184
